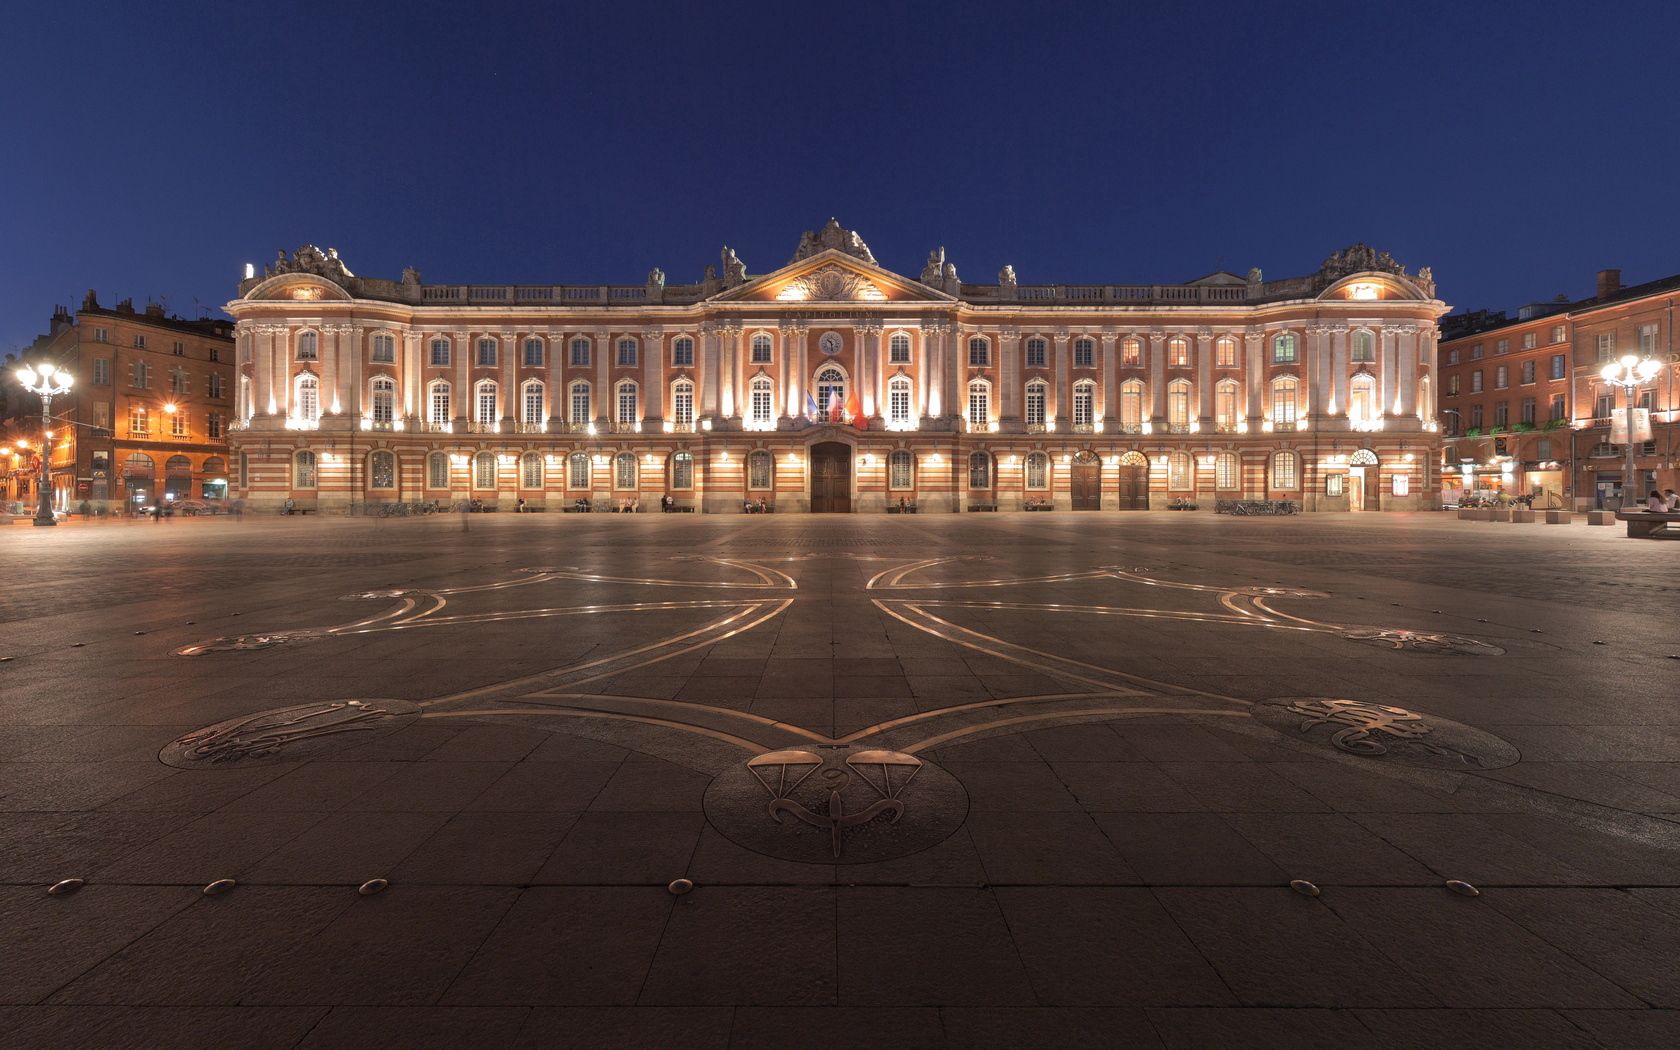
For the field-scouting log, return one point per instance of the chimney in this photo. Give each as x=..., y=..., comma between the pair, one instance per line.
x=1609, y=283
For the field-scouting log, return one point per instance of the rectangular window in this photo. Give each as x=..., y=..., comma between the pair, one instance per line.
x=1284, y=349
x=626, y=353
x=215, y=353
x=1501, y=377
x=1131, y=353
x=102, y=371
x=1558, y=408
x=1605, y=405
x=761, y=350
x=1559, y=366
x=179, y=349
x=1452, y=357
x=213, y=425
x=580, y=404
x=1225, y=353
x=216, y=386
x=1527, y=372
x=1476, y=416
x=101, y=335
x=138, y=423
x=1530, y=339
x=1502, y=414
x=1557, y=333
x=1035, y=353
x=1528, y=410
x=682, y=353
x=142, y=375
x=178, y=424
x=102, y=415
x=487, y=353
x=1401, y=484
x=384, y=348
x=979, y=353
x=1501, y=347
x=140, y=341
x=577, y=471
x=533, y=353
x=1476, y=381
x=898, y=349
x=1452, y=385
x=177, y=382
x=580, y=353
x=1647, y=340
x=440, y=353
x=1035, y=405
x=1606, y=346
x=1476, y=352
x=1084, y=353
x=898, y=402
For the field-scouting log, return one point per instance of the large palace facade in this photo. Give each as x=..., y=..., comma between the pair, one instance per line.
x=833, y=384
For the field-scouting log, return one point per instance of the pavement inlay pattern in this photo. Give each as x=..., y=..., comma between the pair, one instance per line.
x=1021, y=780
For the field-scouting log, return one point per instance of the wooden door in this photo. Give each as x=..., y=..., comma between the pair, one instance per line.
x=1134, y=488
x=1086, y=482
x=831, y=478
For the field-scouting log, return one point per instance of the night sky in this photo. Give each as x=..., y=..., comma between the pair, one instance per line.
x=154, y=149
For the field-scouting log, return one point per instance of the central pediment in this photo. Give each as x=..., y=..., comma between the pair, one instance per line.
x=832, y=276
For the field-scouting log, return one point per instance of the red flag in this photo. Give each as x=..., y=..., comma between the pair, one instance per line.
x=854, y=410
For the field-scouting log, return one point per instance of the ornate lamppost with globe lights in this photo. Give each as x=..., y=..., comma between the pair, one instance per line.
x=47, y=382
x=1630, y=373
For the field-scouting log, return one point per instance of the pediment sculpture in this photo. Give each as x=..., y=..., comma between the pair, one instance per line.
x=837, y=284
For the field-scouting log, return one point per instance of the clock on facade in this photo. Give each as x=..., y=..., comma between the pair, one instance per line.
x=829, y=343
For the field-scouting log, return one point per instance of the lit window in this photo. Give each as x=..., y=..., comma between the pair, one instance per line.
x=898, y=401
x=531, y=471
x=308, y=346
x=1178, y=352
x=1131, y=405
x=484, y=471
x=1284, y=391
x=308, y=398
x=1283, y=471
x=1364, y=348
x=979, y=353
x=624, y=470
x=1131, y=353
x=898, y=349
x=1225, y=352
x=577, y=471
x=382, y=470
x=437, y=470
x=1084, y=403
x=1227, y=472
x=760, y=410
x=682, y=471
x=1180, y=472
x=682, y=403
x=1225, y=394
x=901, y=469
x=1178, y=405
x=761, y=468
x=1038, y=470
x=1037, y=394
x=979, y=405
x=1362, y=399
x=761, y=349
x=1284, y=349
x=303, y=470
x=979, y=470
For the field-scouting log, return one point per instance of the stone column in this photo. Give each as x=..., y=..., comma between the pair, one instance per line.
x=801, y=373
x=1158, y=380
x=1110, y=381
x=555, y=381
x=1318, y=372
x=1387, y=355
x=262, y=371
x=873, y=386
x=1407, y=379
x=357, y=400
x=1064, y=382
x=510, y=350
x=413, y=387
x=1204, y=381
x=1339, y=370
x=334, y=370
x=653, y=378
x=730, y=380
x=933, y=349
x=1254, y=376
x=282, y=390
x=954, y=351
x=710, y=368
x=1010, y=380
x=462, y=406
x=603, y=381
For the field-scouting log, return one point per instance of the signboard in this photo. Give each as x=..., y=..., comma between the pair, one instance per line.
x=1641, y=426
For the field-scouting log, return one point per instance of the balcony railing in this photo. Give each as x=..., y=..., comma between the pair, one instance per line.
x=1129, y=428
x=379, y=424
x=1084, y=428
x=1037, y=428
x=533, y=428
x=438, y=426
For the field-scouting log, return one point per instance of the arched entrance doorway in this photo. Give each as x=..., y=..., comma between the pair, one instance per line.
x=1134, y=482
x=831, y=478
x=1362, y=480
x=1085, y=480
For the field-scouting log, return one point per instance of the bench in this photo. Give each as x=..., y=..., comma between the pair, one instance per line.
x=908, y=508
x=1650, y=524
x=974, y=507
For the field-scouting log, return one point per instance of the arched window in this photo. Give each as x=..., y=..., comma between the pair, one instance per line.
x=580, y=403
x=898, y=349
x=831, y=390
x=1224, y=352
x=1084, y=402
x=1084, y=353
x=979, y=470
x=1178, y=352
x=382, y=470
x=761, y=469
x=484, y=470
x=1038, y=353
x=437, y=470
x=1227, y=472
x=1225, y=394
x=1131, y=352
x=1037, y=395
x=484, y=404
x=1426, y=400
x=577, y=471
x=628, y=394
x=308, y=346
x=532, y=407
x=1178, y=406
x=1283, y=471
x=384, y=401
x=1364, y=348
x=898, y=402
x=531, y=471
x=682, y=352
x=979, y=352
x=308, y=403
x=682, y=470
x=761, y=349
x=437, y=404
x=1362, y=399
x=1285, y=350
x=682, y=404
x=303, y=470
x=761, y=411
x=901, y=469
x=140, y=465
x=1038, y=470
x=1284, y=392
x=1131, y=406
x=216, y=465
x=979, y=405
x=624, y=470
x=1181, y=472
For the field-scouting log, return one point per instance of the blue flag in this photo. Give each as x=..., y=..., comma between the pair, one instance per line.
x=811, y=409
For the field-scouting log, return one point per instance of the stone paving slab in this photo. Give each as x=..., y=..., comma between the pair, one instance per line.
x=1112, y=866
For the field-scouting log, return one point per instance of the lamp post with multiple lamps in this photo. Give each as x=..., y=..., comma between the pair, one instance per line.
x=1630, y=373
x=47, y=382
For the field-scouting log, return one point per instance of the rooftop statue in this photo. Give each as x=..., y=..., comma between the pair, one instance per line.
x=935, y=266
x=734, y=270
x=310, y=259
x=1358, y=259
x=833, y=236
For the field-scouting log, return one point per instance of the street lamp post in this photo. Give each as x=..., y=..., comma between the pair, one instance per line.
x=48, y=382
x=1630, y=373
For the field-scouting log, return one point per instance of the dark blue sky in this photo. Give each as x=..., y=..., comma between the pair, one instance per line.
x=153, y=149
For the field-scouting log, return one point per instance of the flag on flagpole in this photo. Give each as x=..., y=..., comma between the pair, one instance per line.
x=811, y=409
x=836, y=407
x=854, y=410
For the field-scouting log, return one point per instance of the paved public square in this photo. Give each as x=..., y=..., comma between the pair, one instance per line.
x=958, y=781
